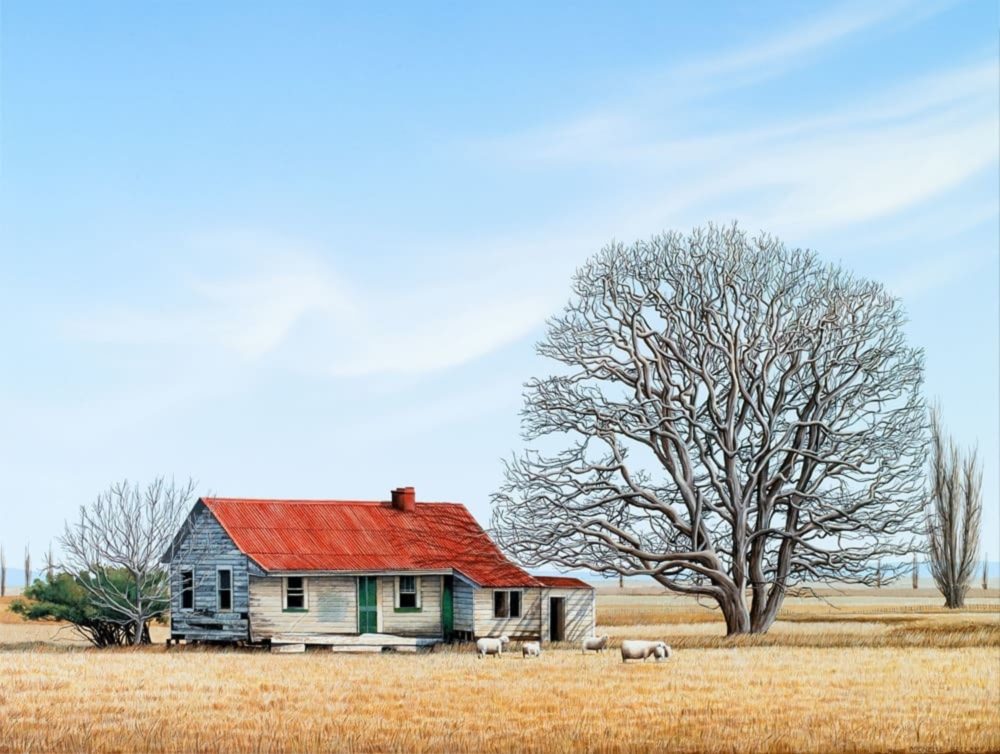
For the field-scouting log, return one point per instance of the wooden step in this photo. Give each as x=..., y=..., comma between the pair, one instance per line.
x=355, y=641
x=287, y=649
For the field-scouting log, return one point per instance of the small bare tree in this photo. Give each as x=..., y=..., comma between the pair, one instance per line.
x=954, y=514
x=916, y=573
x=50, y=563
x=126, y=530
x=3, y=572
x=27, y=566
x=727, y=417
x=986, y=572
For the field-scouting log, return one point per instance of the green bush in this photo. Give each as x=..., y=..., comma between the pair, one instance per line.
x=66, y=597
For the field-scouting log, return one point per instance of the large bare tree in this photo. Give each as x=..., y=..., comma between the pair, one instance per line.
x=954, y=513
x=126, y=531
x=729, y=418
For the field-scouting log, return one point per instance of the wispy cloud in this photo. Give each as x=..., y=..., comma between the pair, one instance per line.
x=935, y=272
x=297, y=311
x=777, y=53
x=247, y=314
x=863, y=159
x=626, y=128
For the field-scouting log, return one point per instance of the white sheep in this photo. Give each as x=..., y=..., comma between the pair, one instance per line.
x=635, y=649
x=595, y=643
x=531, y=649
x=488, y=646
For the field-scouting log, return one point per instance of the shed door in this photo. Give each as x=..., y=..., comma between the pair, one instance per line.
x=557, y=619
x=367, y=605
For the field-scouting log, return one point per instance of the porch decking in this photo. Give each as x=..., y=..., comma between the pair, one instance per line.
x=370, y=642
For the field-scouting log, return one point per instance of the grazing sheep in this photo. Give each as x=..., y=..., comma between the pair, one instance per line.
x=595, y=643
x=634, y=649
x=487, y=646
x=531, y=649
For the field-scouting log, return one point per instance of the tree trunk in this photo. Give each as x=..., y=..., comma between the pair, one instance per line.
x=954, y=597
x=765, y=615
x=734, y=609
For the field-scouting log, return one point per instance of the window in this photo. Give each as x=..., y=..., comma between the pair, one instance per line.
x=408, y=593
x=506, y=604
x=224, y=588
x=295, y=593
x=187, y=590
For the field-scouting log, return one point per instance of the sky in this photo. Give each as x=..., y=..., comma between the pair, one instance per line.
x=305, y=250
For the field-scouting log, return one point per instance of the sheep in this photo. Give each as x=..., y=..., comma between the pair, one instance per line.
x=531, y=649
x=634, y=649
x=595, y=643
x=487, y=646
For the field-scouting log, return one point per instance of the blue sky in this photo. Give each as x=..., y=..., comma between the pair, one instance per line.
x=304, y=250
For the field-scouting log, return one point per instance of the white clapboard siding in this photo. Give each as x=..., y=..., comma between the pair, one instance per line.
x=333, y=607
x=464, y=603
x=425, y=622
x=526, y=626
x=579, y=607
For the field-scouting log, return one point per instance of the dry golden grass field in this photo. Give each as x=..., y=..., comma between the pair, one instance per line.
x=867, y=672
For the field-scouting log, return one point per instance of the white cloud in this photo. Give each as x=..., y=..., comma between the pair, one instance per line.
x=296, y=311
x=934, y=272
x=863, y=160
x=249, y=314
x=777, y=53
x=626, y=130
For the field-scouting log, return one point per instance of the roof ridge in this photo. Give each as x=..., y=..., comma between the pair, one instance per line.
x=318, y=501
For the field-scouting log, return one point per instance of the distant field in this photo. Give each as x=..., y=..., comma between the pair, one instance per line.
x=870, y=672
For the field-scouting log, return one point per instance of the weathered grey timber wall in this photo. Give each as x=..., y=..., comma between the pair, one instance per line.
x=203, y=549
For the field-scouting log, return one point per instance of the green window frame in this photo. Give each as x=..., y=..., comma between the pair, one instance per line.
x=408, y=594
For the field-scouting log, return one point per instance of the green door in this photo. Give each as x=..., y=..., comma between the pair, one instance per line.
x=447, y=608
x=367, y=605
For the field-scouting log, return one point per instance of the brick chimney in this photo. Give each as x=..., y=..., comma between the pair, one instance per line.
x=404, y=499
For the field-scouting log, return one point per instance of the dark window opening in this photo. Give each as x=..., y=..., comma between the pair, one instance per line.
x=407, y=591
x=295, y=593
x=225, y=589
x=187, y=590
x=506, y=604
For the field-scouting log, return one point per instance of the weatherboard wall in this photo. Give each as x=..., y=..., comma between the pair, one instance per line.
x=203, y=548
x=423, y=622
x=332, y=607
x=579, y=612
x=527, y=625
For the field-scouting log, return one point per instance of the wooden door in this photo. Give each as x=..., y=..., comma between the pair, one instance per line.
x=367, y=605
x=447, y=607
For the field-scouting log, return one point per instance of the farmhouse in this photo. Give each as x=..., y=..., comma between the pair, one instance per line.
x=322, y=571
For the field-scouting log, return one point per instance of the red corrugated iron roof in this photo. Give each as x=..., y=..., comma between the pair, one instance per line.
x=352, y=535
x=563, y=582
